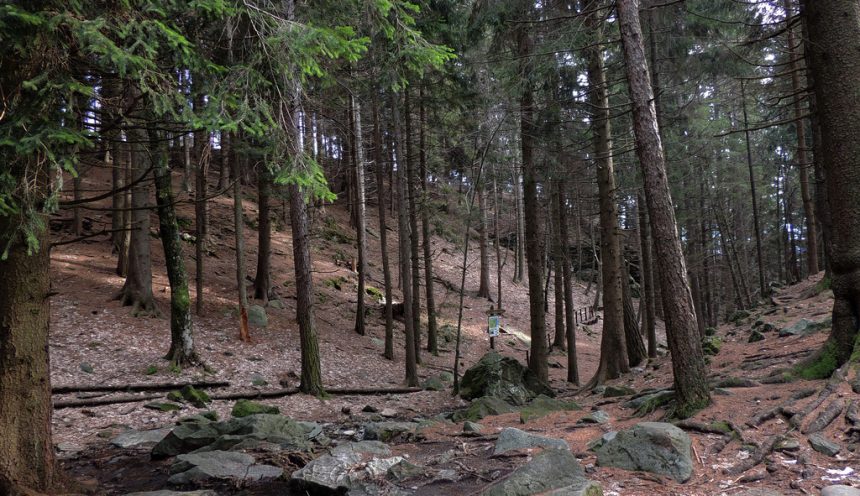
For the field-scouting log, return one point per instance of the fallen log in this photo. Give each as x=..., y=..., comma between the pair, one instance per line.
x=156, y=386
x=274, y=393
x=103, y=401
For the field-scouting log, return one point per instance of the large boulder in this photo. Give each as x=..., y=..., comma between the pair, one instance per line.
x=352, y=467
x=257, y=316
x=511, y=439
x=655, y=447
x=840, y=490
x=238, y=433
x=386, y=431
x=551, y=470
x=502, y=377
x=543, y=406
x=196, y=468
x=803, y=327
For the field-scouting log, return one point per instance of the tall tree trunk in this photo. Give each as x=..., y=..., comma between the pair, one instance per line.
x=137, y=290
x=181, y=330
x=688, y=361
x=202, y=154
x=558, y=260
x=520, y=251
x=800, y=157
x=263, y=278
x=636, y=353
x=361, y=211
x=569, y=319
x=403, y=244
x=239, y=239
x=26, y=451
x=411, y=187
x=754, y=197
x=496, y=208
x=834, y=41
x=121, y=202
x=383, y=231
x=483, y=245
x=613, y=352
x=531, y=209
x=224, y=159
x=646, y=284
x=432, y=329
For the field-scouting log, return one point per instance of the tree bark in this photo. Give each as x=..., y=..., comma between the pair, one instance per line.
x=181, y=351
x=414, y=259
x=636, y=353
x=26, y=450
x=239, y=237
x=613, y=352
x=533, y=236
x=483, y=245
x=263, y=277
x=688, y=363
x=558, y=260
x=383, y=231
x=430, y=300
x=754, y=198
x=834, y=41
x=361, y=205
x=570, y=323
x=646, y=291
x=800, y=157
x=202, y=154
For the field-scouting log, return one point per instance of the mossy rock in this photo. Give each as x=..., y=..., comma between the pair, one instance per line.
x=617, y=391
x=335, y=282
x=195, y=396
x=375, y=292
x=710, y=331
x=175, y=396
x=243, y=408
x=543, y=406
x=502, y=377
x=483, y=407
x=447, y=333
x=257, y=316
x=434, y=383
x=738, y=316
x=755, y=336
x=711, y=345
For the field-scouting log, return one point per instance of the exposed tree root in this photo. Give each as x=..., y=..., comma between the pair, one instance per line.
x=833, y=410
x=760, y=453
x=773, y=412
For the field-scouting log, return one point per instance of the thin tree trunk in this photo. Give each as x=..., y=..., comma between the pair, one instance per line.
x=403, y=243
x=202, y=154
x=263, y=278
x=646, y=290
x=688, y=362
x=558, y=260
x=239, y=239
x=520, y=259
x=801, y=158
x=483, y=245
x=636, y=353
x=411, y=187
x=383, y=231
x=361, y=211
x=432, y=328
x=181, y=351
x=496, y=207
x=756, y=223
x=569, y=321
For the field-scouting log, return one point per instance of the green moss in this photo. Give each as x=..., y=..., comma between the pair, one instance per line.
x=174, y=396
x=195, y=396
x=711, y=345
x=152, y=369
x=243, y=408
x=375, y=292
x=739, y=315
x=722, y=426
x=174, y=368
x=690, y=409
x=335, y=282
x=821, y=366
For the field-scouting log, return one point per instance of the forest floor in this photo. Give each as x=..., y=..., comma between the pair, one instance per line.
x=95, y=341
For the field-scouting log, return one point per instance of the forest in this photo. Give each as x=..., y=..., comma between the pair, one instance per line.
x=392, y=247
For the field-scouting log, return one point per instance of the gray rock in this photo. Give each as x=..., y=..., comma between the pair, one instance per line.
x=755, y=336
x=787, y=444
x=840, y=490
x=347, y=468
x=594, y=444
x=543, y=406
x=823, y=445
x=386, y=431
x=472, y=427
x=134, y=439
x=85, y=367
x=552, y=469
x=194, y=468
x=514, y=439
x=655, y=447
x=582, y=487
x=595, y=417
x=238, y=433
x=257, y=316
x=615, y=391
x=279, y=304
x=388, y=412
x=502, y=377
x=483, y=407
x=803, y=327
x=434, y=383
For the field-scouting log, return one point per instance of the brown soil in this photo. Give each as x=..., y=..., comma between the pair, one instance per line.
x=89, y=327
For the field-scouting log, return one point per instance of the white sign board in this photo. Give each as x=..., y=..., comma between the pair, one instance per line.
x=495, y=322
